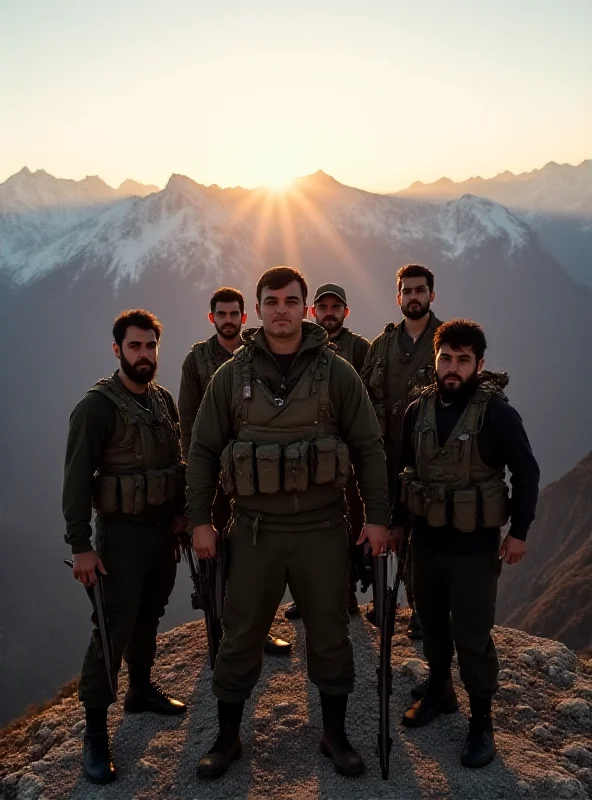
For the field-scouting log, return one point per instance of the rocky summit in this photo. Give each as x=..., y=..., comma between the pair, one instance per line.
x=543, y=720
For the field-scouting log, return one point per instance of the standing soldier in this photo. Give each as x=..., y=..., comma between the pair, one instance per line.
x=227, y=315
x=458, y=438
x=123, y=457
x=401, y=359
x=281, y=421
x=330, y=311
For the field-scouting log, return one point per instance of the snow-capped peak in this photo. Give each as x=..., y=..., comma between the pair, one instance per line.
x=215, y=232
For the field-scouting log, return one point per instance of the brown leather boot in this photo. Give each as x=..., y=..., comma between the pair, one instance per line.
x=334, y=743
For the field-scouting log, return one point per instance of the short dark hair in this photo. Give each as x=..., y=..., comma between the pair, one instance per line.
x=461, y=333
x=138, y=317
x=226, y=294
x=278, y=278
x=415, y=271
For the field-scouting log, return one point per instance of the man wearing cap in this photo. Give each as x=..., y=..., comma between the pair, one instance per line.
x=330, y=310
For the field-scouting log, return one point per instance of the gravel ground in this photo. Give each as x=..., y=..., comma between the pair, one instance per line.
x=543, y=720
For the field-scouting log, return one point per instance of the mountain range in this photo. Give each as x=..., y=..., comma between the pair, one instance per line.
x=556, y=201
x=73, y=254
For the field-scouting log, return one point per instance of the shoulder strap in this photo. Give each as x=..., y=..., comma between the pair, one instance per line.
x=108, y=388
x=322, y=368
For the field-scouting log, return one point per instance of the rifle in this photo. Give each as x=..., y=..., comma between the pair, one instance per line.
x=385, y=604
x=209, y=585
x=105, y=652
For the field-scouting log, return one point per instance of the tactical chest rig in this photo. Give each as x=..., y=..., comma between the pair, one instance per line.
x=344, y=345
x=392, y=375
x=208, y=358
x=452, y=484
x=141, y=465
x=287, y=454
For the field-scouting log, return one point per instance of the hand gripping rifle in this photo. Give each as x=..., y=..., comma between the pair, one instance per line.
x=209, y=585
x=105, y=651
x=385, y=604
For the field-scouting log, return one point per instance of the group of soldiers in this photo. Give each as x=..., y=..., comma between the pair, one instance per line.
x=296, y=442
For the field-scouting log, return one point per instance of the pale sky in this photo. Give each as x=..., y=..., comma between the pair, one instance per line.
x=377, y=94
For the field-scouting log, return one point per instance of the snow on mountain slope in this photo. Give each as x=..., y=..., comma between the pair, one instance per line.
x=555, y=202
x=457, y=226
x=37, y=209
x=54, y=223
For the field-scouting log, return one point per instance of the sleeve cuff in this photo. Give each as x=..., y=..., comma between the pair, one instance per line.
x=81, y=547
x=377, y=518
x=200, y=518
x=518, y=532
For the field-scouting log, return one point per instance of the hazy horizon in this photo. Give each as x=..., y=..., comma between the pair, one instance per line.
x=378, y=95
x=195, y=179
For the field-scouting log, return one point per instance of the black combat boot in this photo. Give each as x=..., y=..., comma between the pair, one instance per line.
x=479, y=746
x=292, y=612
x=440, y=698
x=96, y=756
x=144, y=695
x=414, y=630
x=227, y=746
x=334, y=743
x=275, y=646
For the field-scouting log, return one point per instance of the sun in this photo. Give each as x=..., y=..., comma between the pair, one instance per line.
x=278, y=182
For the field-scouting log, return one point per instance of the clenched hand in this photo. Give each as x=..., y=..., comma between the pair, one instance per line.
x=204, y=541
x=85, y=566
x=377, y=536
x=512, y=550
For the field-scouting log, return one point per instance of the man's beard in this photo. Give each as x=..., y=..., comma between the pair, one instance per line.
x=228, y=331
x=331, y=324
x=417, y=311
x=461, y=392
x=134, y=373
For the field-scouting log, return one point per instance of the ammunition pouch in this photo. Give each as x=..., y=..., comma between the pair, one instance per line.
x=296, y=467
x=247, y=468
x=495, y=504
x=484, y=505
x=135, y=493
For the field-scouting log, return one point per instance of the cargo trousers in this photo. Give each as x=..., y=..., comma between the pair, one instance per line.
x=455, y=598
x=315, y=567
x=140, y=560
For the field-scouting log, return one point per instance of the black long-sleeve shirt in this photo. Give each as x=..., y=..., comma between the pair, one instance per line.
x=501, y=442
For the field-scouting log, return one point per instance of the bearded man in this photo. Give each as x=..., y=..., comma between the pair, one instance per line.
x=458, y=439
x=401, y=360
x=123, y=458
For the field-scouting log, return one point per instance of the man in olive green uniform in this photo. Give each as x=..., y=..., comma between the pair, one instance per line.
x=458, y=438
x=330, y=310
x=281, y=421
x=227, y=315
x=124, y=459
x=400, y=360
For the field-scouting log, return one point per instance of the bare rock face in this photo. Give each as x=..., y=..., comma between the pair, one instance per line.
x=542, y=716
